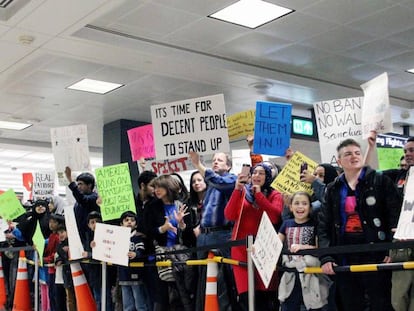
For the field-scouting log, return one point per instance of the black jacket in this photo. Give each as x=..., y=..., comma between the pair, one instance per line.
x=378, y=206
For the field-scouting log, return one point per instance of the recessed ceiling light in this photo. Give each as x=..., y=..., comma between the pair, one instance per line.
x=251, y=13
x=410, y=70
x=95, y=86
x=17, y=126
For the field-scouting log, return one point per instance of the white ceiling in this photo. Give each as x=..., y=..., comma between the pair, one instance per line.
x=168, y=50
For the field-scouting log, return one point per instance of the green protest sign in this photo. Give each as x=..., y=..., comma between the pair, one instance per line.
x=10, y=206
x=389, y=158
x=115, y=189
x=39, y=242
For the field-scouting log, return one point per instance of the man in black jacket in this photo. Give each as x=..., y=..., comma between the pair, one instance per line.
x=361, y=206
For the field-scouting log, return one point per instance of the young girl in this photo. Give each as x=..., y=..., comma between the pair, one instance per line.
x=298, y=234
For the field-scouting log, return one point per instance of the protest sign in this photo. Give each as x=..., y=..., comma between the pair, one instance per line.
x=376, y=111
x=70, y=148
x=39, y=242
x=405, y=228
x=43, y=185
x=75, y=244
x=168, y=166
x=241, y=124
x=272, y=128
x=111, y=244
x=337, y=120
x=288, y=180
x=10, y=206
x=115, y=189
x=239, y=157
x=197, y=124
x=27, y=186
x=389, y=150
x=141, y=142
x=267, y=249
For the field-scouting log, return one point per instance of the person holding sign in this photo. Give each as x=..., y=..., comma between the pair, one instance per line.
x=361, y=206
x=246, y=206
x=86, y=197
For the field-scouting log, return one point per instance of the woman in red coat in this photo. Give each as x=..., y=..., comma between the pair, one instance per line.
x=245, y=208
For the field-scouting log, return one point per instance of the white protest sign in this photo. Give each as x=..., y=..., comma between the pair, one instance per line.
x=239, y=157
x=70, y=148
x=267, y=249
x=197, y=124
x=337, y=120
x=75, y=244
x=111, y=244
x=3, y=227
x=376, y=111
x=43, y=185
x=405, y=228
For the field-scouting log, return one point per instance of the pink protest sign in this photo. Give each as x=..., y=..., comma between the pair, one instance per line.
x=141, y=142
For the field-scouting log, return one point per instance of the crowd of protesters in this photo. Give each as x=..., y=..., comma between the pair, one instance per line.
x=356, y=205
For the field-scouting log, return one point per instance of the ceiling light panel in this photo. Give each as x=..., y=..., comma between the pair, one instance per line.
x=94, y=86
x=16, y=126
x=251, y=13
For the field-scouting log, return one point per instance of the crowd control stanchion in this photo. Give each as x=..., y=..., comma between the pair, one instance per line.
x=36, y=278
x=103, y=291
x=250, y=272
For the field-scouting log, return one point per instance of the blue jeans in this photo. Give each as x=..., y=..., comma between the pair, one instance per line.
x=216, y=237
x=135, y=297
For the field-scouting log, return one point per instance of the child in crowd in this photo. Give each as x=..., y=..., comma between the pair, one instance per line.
x=63, y=261
x=134, y=291
x=298, y=234
x=94, y=269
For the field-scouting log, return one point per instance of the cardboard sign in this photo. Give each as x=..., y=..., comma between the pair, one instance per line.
x=241, y=124
x=141, y=142
x=111, y=244
x=115, y=189
x=288, y=180
x=337, y=120
x=43, y=185
x=70, y=148
x=75, y=243
x=10, y=206
x=405, y=228
x=168, y=166
x=197, y=124
x=376, y=111
x=272, y=128
x=267, y=249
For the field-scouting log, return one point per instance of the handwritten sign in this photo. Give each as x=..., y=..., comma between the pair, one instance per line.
x=389, y=150
x=376, y=111
x=272, y=128
x=70, y=148
x=43, y=185
x=337, y=120
x=75, y=244
x=405, y=228
x=288, y=180
x=197, y=124
x=115, y=188
x=10, y=206
x=168, y=166
x=267, y=248
x=111, y=244
x=141, y=142
x=241, y=124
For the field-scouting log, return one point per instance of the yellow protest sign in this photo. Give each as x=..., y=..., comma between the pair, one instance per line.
x=10, y=206
x=241, y=124
x=288, y=180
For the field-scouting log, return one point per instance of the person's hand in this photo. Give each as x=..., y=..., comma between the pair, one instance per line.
x=84, y=254
x=241, y=181
x=289, y=153
x=387, y=259
x=99, y=201
x=65, y=249
x=328, y=268
x=68, y=174
x=287, y=198
x=180, y=214
x=295, y=247
x=307, y=176
x=197, y=231
x=132, y=255
x=93, y=244
x=142, y=163
x=250, y=140
x=372, y=139
x=255, y=189
x=194, y=157
x=167, y=226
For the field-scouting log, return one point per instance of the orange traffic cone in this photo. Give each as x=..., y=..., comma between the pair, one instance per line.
x=84, y=298
x=211, y=301
x=21, y=300
x=3, y=296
